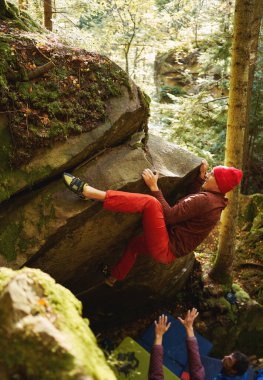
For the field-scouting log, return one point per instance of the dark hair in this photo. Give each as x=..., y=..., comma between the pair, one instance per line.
x=241, y=364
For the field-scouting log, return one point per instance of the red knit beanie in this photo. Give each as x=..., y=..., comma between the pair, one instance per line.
x=227, y=177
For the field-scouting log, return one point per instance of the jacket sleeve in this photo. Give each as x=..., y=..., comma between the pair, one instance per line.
x=156, y=363
x=188, y=208
x=196, y=368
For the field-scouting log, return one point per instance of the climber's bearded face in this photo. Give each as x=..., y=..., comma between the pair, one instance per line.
x=210, y=183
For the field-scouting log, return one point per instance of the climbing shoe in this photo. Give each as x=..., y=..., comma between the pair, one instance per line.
x=74, y=184
x=110, y=281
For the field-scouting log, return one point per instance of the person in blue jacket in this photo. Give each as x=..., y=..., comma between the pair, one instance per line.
x=234, y=366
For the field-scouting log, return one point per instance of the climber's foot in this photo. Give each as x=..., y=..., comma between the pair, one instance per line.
x=74, y=184
x=110, y=281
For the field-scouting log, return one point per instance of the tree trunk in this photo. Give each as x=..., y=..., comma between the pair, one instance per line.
x=48, y=14
x=255, y=32
x=5, y=11
x=236, y=126
x=3, y=6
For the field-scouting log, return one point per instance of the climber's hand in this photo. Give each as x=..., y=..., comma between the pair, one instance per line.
x=150, y=179
x=203, y=169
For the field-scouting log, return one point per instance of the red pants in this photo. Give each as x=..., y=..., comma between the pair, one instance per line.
x=155, y=239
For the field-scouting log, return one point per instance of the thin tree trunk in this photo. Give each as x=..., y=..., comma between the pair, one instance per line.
x=236, y=126
x=255, y=32
x=126, y=55
x=48, y=14
x=137, y=55
x=196, y=35
x=227, y=20
x=20, y=4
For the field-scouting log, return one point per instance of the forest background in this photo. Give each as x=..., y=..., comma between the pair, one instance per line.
x=137, y=34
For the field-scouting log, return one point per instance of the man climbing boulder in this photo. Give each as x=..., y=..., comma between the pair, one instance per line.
x=168, y=232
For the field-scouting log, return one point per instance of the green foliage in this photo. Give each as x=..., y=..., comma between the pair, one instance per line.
x=121, y=26
x=58, y=129
x=88, y=21
x=38, y=94
x=162, y=3
x=198, y=125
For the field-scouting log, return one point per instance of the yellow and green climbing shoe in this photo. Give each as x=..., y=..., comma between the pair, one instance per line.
x=74, y=184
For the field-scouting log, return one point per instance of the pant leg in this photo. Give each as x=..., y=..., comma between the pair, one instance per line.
x=135, y=247
x=122, y=201
x=155, y=240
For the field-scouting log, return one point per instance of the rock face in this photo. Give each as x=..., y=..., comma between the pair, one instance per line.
x=178, y=72
x=250, y=336
x=235, y=329
x=42, y=333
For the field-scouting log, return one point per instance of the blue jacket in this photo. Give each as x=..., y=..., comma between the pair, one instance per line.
x=223, y=376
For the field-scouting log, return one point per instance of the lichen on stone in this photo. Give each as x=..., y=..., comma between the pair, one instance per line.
x=42, y=332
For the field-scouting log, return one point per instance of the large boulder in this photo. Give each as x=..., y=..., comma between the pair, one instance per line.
x=250, y=323
x=52, y=229
x=59, y=106
x=42, y=333
x=234, y=327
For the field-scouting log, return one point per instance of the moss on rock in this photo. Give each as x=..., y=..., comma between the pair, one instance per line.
x=66, y=100
x=9, y=237
x=42, y=333
x=241, y=294
x=6, y=275
x=44, y=108
x=220, y=304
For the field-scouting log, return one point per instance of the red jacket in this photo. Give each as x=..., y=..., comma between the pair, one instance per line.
x=191, y=219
